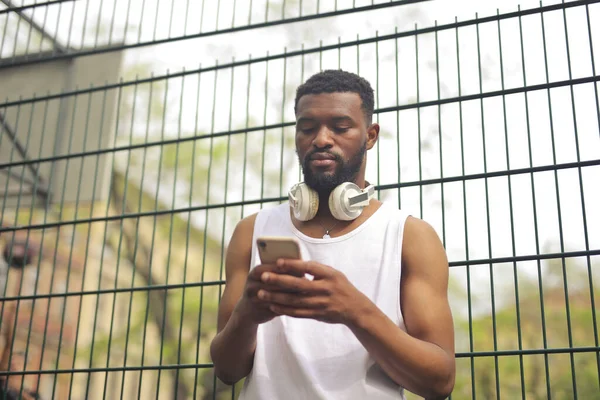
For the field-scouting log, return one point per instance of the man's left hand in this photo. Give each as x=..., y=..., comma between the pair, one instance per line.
x=328, y=297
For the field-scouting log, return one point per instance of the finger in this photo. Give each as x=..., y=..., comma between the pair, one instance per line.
x=295, y=300
x=257, y=271
x=291, y=283
x=318, y=271
x=296, y=312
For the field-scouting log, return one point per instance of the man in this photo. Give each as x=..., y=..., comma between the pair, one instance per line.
x=365, y=313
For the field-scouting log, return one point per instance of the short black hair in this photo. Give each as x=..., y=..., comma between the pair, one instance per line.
x=338, y=81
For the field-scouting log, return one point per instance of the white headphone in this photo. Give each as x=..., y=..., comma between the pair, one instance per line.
x=346, y=201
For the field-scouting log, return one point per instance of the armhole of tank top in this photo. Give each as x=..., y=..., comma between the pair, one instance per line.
x=255, y=228
x=401, y=228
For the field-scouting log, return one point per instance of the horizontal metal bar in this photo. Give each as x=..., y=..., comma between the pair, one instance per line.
x=171, y=286
x=450, y=100
x=107, y=369
x=500, y=353
x=554, y=167
x=289, y=54
x=87, y=52
x=26, y=7
x=191, y=285
x=494, y=174
x=533, y=257
x=531, y=352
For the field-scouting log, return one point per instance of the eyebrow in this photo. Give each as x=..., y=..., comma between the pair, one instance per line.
x=344, y=118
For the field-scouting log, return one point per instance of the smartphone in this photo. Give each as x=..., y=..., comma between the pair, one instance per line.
x=271, y=248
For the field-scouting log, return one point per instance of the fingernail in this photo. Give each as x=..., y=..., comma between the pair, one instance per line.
x=280, y=262
x=261, y=294
x=265, y=277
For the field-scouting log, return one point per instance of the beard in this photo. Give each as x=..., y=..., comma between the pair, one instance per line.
x=346, y=171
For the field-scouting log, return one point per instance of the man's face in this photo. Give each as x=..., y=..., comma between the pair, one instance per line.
x=332, y=138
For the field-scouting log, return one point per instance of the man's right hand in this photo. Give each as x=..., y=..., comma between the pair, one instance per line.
x=251, y=308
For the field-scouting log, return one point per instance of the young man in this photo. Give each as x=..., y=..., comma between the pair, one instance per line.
x=372, y=317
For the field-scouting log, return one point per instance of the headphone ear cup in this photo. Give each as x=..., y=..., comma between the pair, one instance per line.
x=308, y=202
x=339, y=205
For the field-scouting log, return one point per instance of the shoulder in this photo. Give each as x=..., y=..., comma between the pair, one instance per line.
x=243, y=231
x=422, y=249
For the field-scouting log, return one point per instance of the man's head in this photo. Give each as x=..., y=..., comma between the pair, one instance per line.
x=334, y=129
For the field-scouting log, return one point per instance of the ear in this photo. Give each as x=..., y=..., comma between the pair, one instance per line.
x=372, y=135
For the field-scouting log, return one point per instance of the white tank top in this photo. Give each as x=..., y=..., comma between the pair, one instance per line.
x=307, y=359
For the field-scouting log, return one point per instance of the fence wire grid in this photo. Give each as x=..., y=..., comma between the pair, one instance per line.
x=136, y=134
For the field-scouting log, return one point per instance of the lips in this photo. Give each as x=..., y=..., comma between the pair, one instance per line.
x=321, y=156
x=322, y=160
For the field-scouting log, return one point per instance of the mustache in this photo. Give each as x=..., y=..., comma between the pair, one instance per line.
x=310, y=155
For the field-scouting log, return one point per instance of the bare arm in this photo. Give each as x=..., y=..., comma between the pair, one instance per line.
x=232, y=349
x=421, y=360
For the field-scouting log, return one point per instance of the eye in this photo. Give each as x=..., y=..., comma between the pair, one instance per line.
x=341, y=129
x=306, y=128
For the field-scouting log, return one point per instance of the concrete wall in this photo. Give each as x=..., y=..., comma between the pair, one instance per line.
x=62, y=126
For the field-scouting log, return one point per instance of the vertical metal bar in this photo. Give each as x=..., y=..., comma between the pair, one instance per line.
x=43, y=27
x=126, y=28
x=119, y=247
x=98, y=24
x=112, y=23
x=17, y=212
x=419, y=122
x=156, y=202
x=440, y=134
x=169, y=251
x=559, y=210
x=14, y=50
x=87, y=244
x=282, y=121
x=156, y=21
x=41, y=244
x=150, y=261
x=193, y=170
x=189, y=223
x=535, y=217
x=233, y=14
x=21, y=273
x=247, y=125
x=512, y=222
x=4, y=35
x=588, y=260
x=399, y=170
x=72, y=245
x=378, y=106
x=357, y=54
x=581, y=194
x=207, y=201
x=104, y=240
x=264, y=142
x=137, y=227
x=466, y=216
x=68, y=43
x=224, y=224
x=487, y=207
x=59, y=217
x=29, y=33
x=267, y=11
x=320, y=56
x=302, y=80
x=85, y=18
x=171, y=18
x=139, y=39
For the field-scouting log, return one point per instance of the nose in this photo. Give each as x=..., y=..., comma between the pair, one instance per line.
x=324, y=138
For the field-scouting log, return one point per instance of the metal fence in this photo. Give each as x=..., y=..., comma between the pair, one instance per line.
x=122, y=182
